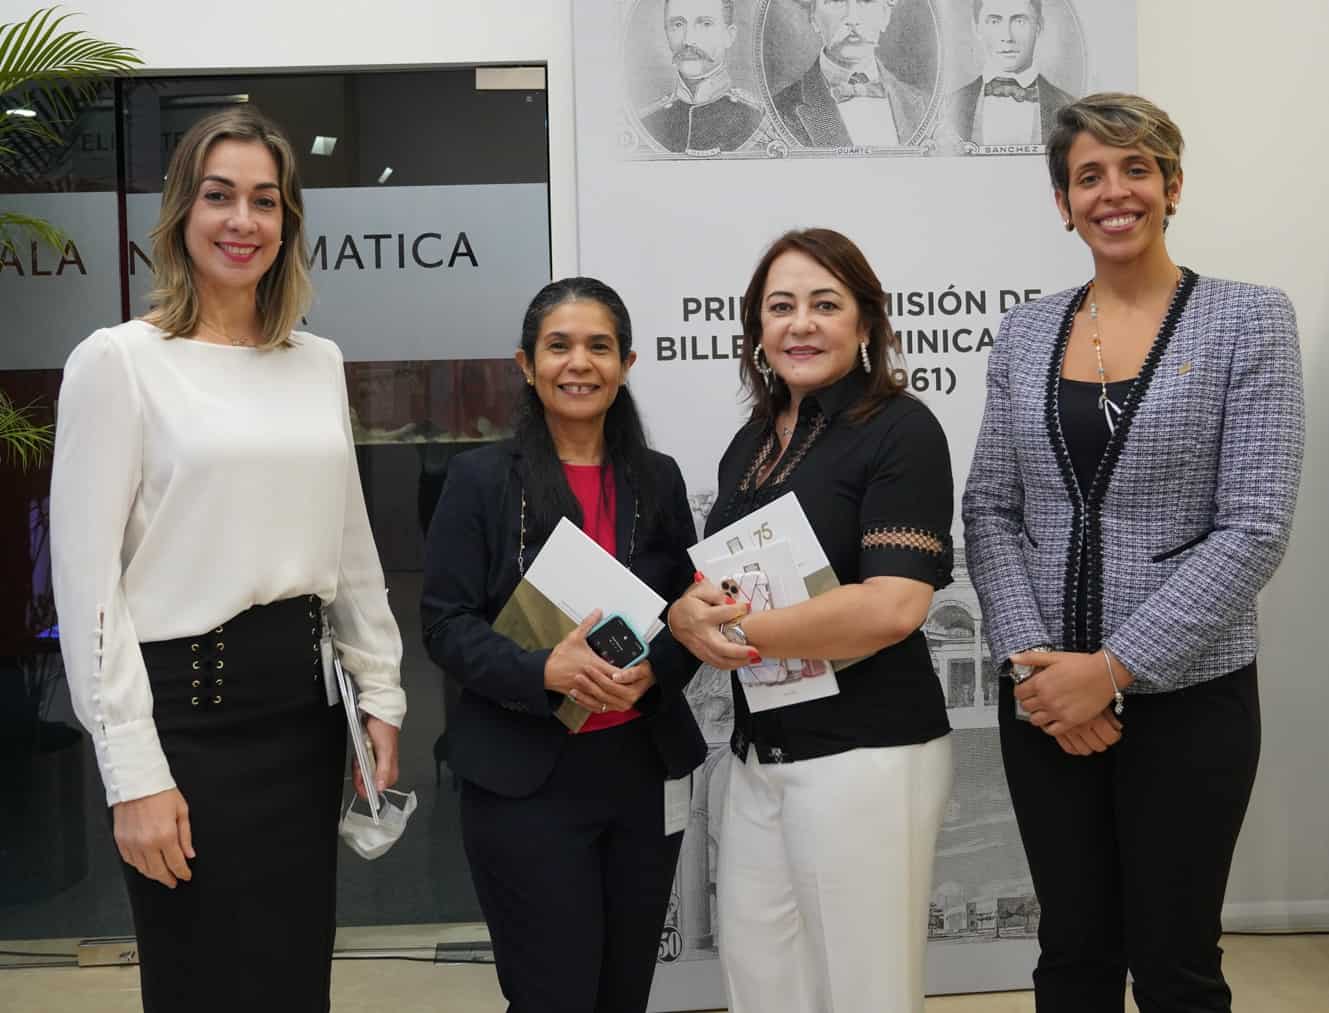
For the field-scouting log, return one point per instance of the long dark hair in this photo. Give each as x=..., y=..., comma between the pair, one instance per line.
x=548, y=495
x=839, y=255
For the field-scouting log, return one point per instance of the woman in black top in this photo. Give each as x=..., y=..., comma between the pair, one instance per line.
x=833, y=805
x=565, y=834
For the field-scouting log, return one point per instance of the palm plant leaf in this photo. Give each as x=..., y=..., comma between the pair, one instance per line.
x=52, y=72
x=12, y=224
x=40, y=53
x=23, y=441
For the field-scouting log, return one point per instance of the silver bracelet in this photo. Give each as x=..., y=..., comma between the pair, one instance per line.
x=1118, y=700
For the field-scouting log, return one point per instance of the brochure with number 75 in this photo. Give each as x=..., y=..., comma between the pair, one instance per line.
x=778, y=540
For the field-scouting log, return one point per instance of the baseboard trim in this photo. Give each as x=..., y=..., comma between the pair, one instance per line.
x=1277, y=916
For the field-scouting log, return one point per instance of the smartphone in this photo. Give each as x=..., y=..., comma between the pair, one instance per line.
x=753, y=586
x=617, y=642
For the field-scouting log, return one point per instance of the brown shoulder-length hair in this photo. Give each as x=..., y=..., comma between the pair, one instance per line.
x=285, y=291
x=839, y=255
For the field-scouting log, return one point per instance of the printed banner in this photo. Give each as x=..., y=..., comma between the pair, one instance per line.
x=707, y=128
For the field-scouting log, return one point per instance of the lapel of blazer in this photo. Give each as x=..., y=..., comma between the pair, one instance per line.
x=625, y=516
x=1049, y=101
x=906, y=108
x=1138, y=390
x=964, y=112
x=818, y=114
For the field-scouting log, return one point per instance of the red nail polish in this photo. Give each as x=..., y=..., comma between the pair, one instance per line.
x=754, y=658
x=729, y=600
x=698, y=577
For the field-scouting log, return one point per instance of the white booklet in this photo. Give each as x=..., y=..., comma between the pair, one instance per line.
x=765, y=578
x=571, y=577
x=577, y=575
x=780, y=519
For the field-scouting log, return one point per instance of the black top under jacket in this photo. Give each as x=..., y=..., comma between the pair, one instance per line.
x=879, y=495
x=504, y=736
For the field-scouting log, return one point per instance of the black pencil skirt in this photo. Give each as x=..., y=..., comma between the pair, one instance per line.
x=243, y=718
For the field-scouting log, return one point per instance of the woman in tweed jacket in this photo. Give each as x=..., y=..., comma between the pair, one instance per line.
x=1131, y=492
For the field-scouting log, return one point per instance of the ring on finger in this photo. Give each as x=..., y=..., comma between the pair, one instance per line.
x=572, y=695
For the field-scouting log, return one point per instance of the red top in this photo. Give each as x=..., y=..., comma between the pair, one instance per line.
x=593, y=485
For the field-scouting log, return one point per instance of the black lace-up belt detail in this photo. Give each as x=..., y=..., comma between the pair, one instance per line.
x=264, y=655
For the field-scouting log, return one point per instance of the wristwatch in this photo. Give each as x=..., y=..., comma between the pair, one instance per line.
x=1022, y=672
x=734, y=632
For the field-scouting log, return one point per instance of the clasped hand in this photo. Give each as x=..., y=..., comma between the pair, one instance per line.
x=1068, y=699
x=695, y=621
x=576, y=671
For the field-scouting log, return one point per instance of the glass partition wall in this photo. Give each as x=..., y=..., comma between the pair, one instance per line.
x=428, y=214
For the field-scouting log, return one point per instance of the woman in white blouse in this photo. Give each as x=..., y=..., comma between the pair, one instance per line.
x=205, y=505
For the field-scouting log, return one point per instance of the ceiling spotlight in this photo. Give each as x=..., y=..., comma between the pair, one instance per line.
x=323, y=145
x=27, y=114
x=383, y=176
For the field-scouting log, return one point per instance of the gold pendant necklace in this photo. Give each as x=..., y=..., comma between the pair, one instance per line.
x=218, y=332
x=1110, y=409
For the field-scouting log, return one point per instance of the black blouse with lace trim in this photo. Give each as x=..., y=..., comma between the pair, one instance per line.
x=879, y=496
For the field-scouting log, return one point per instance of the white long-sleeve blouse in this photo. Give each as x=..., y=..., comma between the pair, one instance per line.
x=192, y=481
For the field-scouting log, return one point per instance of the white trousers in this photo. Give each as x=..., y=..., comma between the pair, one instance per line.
x=824, y=878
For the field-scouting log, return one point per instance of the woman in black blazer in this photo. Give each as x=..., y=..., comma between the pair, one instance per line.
x=565, y=832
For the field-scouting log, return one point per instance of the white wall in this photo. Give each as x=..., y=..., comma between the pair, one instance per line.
x=1245, y=85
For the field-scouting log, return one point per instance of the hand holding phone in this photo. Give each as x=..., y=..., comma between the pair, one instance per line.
x=614, y=640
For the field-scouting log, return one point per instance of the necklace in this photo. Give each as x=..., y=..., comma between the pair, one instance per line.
x=218, y=332
x=1110, y=409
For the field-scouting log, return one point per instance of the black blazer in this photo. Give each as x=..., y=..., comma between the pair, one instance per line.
x=504, y=736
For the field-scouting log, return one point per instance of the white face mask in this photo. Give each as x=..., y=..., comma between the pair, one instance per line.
x=368, y=839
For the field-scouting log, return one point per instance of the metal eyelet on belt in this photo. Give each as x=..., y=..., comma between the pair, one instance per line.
x=315, y=648
x=220, y=645
x=217, y=698
x=194, y=664
x=194, y=648
x=196, y=683
x=217, y=682
x=220, y=665
x=193, y=701
x=313, y=631
x=217, y=630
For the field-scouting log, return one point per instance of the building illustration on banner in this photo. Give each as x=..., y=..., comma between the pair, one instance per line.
x=826, y=78
x=982, y=890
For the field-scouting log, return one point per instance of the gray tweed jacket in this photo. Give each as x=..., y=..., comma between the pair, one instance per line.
x=1189, y=514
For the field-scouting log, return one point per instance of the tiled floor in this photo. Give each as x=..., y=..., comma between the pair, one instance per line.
x=1269, y=974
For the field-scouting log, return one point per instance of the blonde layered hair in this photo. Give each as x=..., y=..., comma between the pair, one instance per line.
x=285, y=290
x=1118, y=119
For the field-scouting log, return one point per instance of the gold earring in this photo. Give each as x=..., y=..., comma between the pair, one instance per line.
x=530, y=380
x=1171, y=208
x=1070, y=225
